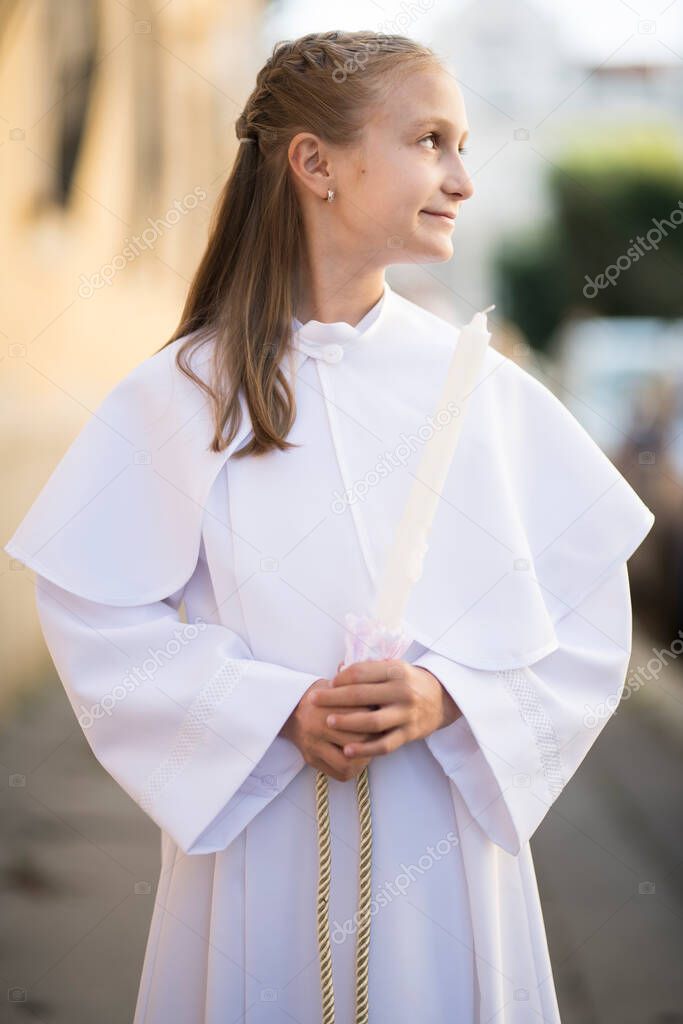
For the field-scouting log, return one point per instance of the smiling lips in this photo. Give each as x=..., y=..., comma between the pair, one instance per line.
x=447, y=217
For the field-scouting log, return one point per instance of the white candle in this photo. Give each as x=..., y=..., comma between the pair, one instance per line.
x=403, y=566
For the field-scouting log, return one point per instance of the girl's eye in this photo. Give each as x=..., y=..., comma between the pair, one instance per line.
x=436, y=135
x=432, y=135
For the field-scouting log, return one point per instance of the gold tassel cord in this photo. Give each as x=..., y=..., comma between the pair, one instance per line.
x=365, y=883
x=324, y=875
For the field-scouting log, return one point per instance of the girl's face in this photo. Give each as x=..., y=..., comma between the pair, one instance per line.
x=408, y=169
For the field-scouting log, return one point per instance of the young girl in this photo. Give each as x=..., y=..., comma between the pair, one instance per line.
x=254, y=469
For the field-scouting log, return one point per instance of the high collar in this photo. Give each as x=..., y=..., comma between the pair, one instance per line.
x=328, y=341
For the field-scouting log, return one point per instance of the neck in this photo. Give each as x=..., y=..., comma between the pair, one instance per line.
x=340, y=297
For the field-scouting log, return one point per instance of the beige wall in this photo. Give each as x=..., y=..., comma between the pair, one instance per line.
x=153, y=98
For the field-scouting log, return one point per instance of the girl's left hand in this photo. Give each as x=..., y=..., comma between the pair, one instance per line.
x=408, y=704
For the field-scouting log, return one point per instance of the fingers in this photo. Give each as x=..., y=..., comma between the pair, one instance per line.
x=333, y=762
x=365, y=723
x=339, y=736
x=353, y=694
x=385, y=744
x=371, y=671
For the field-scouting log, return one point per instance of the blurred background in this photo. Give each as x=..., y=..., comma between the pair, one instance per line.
x=116, y=135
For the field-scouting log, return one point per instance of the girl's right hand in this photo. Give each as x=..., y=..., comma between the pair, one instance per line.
x=322, y=746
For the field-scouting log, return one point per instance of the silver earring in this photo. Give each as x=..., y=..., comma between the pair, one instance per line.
x=330, y=195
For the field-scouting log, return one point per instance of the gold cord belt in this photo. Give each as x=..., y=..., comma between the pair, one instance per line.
x=324, y=877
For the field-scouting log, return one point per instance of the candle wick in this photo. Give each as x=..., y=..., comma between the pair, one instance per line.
x=488, y=309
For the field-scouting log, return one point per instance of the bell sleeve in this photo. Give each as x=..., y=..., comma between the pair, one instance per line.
x=523, y=732
x=179, y=714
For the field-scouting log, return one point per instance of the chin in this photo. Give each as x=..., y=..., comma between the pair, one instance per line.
x=433, y=246
x=435, y=253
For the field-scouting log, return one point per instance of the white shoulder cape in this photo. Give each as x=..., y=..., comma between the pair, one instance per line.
x=533, y=514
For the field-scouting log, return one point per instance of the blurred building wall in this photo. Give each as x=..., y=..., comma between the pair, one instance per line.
x=117, y=133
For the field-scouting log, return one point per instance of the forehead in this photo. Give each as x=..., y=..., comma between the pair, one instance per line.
x=426, y=97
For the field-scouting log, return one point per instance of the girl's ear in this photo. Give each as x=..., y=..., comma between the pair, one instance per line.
x=308, y=163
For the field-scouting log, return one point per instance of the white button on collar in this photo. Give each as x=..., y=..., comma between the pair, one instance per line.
x=328, y=341
x=328, y=353
x=332, y=353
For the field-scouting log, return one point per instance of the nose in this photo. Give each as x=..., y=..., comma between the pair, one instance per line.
x=464, y=188
x=459, y=185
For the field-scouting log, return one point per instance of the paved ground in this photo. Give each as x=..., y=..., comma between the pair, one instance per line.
x=608, y=862
x=79, y=862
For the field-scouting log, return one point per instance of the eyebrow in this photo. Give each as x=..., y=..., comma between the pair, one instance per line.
x=440, y=122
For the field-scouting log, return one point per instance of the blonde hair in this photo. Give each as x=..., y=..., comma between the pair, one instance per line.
x=247, y=286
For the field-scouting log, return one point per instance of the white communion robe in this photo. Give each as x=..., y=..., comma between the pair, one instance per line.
x=522, y=611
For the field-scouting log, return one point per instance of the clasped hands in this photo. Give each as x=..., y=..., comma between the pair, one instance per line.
x=368, y=709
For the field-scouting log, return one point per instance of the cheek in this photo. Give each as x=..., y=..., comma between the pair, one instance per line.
x=400, y=194
x=386, y=195
x=372, y=200
x=413, y=187
x=367, y=179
